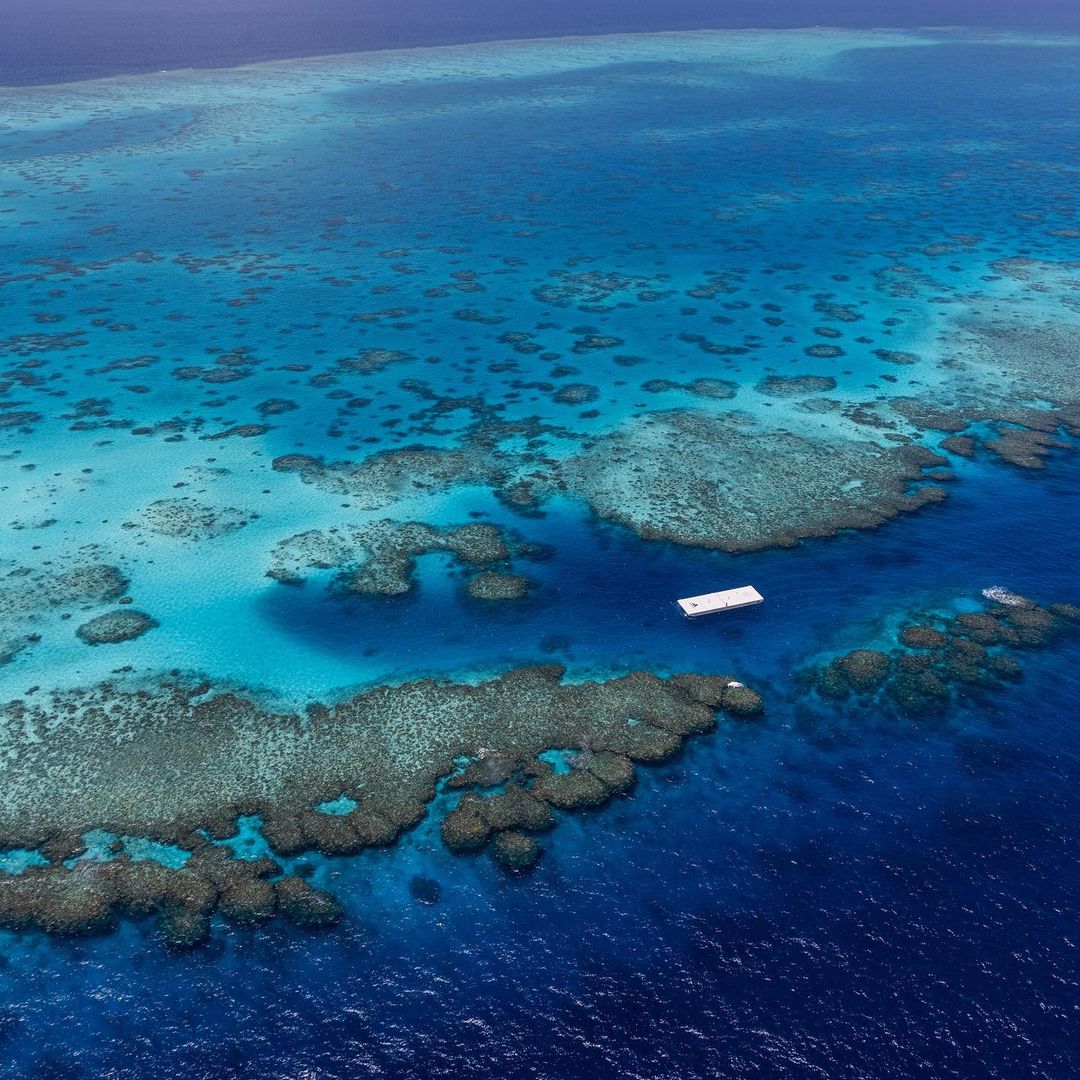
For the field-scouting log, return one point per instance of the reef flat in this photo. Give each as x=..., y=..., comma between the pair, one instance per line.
x=179, y=764
x=724, y=482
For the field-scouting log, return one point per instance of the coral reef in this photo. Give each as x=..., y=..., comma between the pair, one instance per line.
x=722, y=481
x=931, y=664
x=576, y=394
x=192, y=519
x=592, y=288
x=515, y=851
x=598, y=771
x=87, y=896
x=490, y=586
x=384, y=477
x=379, y=559
x=25, y=590
x=796, y=385
x=115, y=626
x=1017, y=434
x=177, y=763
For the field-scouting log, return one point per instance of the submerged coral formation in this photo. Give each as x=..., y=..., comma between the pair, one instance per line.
x=529, y=788
x=32, y=597
x=933, y=661
x=27, y=590
x=191, y=519
x=179, y=763
x=491, y=586
x=796, y=385
x=115, y=626
x=387, y=476
x=379, y=559
x=87, y=896
x=1018, y=435
x=723, y=481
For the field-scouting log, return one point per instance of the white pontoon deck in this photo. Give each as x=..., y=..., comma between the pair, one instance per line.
x=729, y=600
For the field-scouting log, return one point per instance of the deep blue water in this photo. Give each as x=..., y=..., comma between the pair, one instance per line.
x=818, y=896
x=829, y=892
x=50, y=41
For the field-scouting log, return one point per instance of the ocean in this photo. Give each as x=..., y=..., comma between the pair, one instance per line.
x=666, y=312
x=51, y=41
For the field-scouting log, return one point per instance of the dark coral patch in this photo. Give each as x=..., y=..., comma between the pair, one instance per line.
x=937, y=660
x=177, y=763
x=115, y=626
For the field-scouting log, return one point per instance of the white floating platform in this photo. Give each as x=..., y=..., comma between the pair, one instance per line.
x=729, y=600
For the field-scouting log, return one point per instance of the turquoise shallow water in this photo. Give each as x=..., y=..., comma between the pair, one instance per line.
x=835, y=892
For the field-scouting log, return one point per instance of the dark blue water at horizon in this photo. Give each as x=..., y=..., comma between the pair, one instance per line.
x=54, y=41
